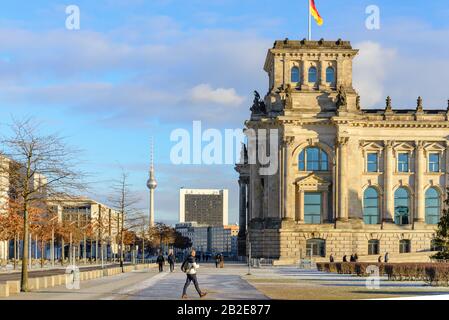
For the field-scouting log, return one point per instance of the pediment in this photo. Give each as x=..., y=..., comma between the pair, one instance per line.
x=312, y=181
x=367, y=145
x=434, y=146
x=404, y=146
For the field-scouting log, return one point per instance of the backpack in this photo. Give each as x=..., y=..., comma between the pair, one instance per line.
x=185, y=267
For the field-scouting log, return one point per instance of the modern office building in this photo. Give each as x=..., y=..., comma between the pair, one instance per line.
x=204, y=206
x=207, y=239
x=349, y=179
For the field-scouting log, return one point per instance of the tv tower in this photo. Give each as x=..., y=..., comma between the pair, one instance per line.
x=152, y=185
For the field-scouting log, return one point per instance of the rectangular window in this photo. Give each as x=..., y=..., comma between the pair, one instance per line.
x=434, y=162
x=403, y=162
x=312, y=207
x=372, y=162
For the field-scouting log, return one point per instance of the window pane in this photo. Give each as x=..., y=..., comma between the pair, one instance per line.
x=401, y=206
x=434, y=162
x=301, y=161
x=372, y=162
x=313, y=74
x=403, y=162
x=433, y=208
x=295, y=74
x=371, y=206
x=312, y=208
x=330, y=75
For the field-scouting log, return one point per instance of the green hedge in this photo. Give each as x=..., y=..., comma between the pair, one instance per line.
x=432, y=273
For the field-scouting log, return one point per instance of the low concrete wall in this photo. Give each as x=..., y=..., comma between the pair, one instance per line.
x=13, y=287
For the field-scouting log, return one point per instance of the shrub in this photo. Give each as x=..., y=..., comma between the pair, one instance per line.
x=431, y=273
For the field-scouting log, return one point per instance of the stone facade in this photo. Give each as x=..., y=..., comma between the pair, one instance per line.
x=332, y=150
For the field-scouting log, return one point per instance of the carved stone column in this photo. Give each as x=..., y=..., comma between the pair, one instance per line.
x=288, y=205
x=242, y=205
x=305, y=73
x=342, y=179
x=300, y=216
x=323, y=68
x=419, y=182
x=388, y=183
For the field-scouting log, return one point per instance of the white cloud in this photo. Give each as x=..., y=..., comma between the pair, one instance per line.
x=371, y=68
x=204, y=93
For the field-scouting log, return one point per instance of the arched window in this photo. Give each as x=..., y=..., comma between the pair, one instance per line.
x=432, y=206
x=371, y=206
x=313, y=159
x=404, y=246
x=402, y=206
x=316, y=247
x=373, y=247
x=330, y=75
x=295, y=77
x=313, y=75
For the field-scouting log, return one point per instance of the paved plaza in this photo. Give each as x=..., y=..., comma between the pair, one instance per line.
x=233, y=283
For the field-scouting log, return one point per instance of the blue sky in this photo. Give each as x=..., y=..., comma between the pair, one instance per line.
x=141, y=68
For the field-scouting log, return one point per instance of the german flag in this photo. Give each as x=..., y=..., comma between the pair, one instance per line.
x=314, y=12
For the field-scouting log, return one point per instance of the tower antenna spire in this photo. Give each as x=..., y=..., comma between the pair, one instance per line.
x=151, y=183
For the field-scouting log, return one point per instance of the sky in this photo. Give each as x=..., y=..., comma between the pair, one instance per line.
x=138, y=69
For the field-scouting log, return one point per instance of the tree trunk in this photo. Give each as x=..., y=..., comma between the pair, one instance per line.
x=62, y=251
x=24, y=274
x=42, y=253
x=15, y=251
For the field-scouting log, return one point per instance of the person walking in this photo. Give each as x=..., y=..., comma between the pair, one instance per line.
x=217, y=260
x=189, y=267
x=171, y=260
x=160, y=261
x=331, y=259
x=387, y=257
x=379, y=260
x=356, y=258
x=345, y=259
x=352, y=259
x=221, y=261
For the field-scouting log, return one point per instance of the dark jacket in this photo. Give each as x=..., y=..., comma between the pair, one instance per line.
x=160, y=259
x=171, y=259
x=345, y=259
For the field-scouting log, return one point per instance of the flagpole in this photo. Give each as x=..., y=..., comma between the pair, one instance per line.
x=310, y=21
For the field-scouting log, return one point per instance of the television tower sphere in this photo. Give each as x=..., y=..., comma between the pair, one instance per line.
x=151, y=183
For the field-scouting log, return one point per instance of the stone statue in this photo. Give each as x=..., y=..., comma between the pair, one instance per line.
x=289, y=97
x=357, y=103
x=419, y=107
x=388, y=106
x=342, y=101
x=258, y=105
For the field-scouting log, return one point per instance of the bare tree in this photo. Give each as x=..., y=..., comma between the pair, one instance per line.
x=123, y=201
x=39, y=167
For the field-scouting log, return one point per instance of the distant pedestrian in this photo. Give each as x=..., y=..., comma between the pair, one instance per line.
x=160, y=261
x=217, y=260
x=352, y=259
x=171, y=260
x=356, y=258
x=387, y=257
x=345, y=259
x=331, y=259
x=221, y=261
x=189, y=267
x=379, y=260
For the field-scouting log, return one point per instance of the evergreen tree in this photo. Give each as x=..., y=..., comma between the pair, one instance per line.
x=441, y=239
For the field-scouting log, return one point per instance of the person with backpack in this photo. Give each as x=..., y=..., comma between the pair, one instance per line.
x=160, y=261
x=171, y=261
x=189, y=267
